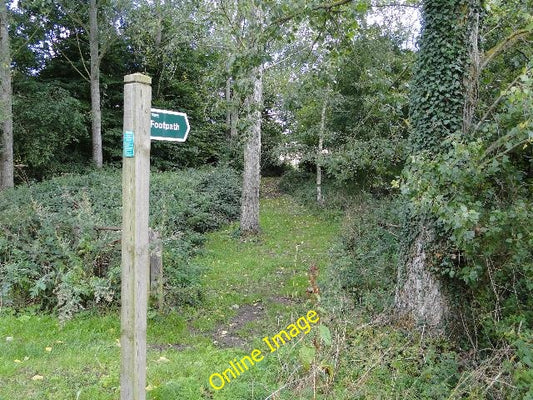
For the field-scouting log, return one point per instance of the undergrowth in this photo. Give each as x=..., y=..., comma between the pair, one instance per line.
x=383, y=358
x=301, y=186
x=60, y=239
x=373, y=355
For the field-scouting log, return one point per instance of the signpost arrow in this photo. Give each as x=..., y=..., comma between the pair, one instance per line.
x=166, y=125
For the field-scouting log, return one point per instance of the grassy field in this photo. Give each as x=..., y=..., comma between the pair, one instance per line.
x=251, y=289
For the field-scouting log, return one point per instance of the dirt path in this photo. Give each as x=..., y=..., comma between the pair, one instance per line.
x=255, y=286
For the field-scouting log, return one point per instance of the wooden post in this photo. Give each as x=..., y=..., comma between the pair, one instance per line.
x=135, y=244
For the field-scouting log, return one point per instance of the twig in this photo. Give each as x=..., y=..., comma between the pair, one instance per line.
x=107, y=228
x=382, y=226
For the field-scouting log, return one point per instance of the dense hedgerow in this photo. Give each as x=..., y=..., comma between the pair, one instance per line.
x=58, y=253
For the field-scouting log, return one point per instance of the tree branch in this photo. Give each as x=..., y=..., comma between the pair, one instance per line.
x=338, y=3
x=234, y=26
x=85, y=77
x=500, y=98
x=507, y=151
x=81, y=56
x=504, y=45
x=324, y=6
x=30, y=37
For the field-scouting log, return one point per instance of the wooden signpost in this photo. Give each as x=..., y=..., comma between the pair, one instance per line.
x=135, y=233
x=135, y=244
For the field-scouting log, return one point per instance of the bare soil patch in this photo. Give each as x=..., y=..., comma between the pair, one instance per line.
x=228, y=335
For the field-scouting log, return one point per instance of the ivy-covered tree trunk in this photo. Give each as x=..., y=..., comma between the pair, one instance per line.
x=96, y=112
x=440, y=91
x=6, y=104
x=252, y=159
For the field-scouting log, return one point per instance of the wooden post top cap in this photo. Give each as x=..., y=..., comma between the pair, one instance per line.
x=139, y=78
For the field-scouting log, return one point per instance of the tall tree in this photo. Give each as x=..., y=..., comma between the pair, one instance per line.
x=241, y=27
x=440, y=89
x=98, y=22
x=319, y=155
x=263, y=32
x=6, y=103
x=252, y=29
x=252, y=158
x=96, y=112
x=249, y=222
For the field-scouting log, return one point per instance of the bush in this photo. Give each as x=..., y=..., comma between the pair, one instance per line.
x=370, y=164
x=365, y=258
x=58, y=253
x=48, y=140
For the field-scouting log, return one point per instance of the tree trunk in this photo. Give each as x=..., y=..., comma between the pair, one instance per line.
x=96, y=112
x=228, y=103
x=437, y=110
x=420, y=295
x=319, y=197
x=252, y=160
x=6, y=104
x=472, y=78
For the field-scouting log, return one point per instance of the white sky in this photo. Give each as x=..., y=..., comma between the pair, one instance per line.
x=398, y=19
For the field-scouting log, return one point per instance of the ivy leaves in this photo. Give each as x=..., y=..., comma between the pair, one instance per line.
x=437, y=96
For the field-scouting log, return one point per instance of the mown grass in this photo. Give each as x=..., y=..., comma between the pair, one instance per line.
x=41, y=359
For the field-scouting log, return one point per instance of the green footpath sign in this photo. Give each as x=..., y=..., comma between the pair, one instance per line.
x=172, y=126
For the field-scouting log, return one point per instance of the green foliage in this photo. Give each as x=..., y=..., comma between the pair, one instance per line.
x=365, y=259
x=271, y=138
x=372, y=82
x=502, y=20
x=301, y=185
x=366, y=111
x=49, y=124
x=55, y=254
x=51, y=64
x=437, y=91
x=372, y=163
x=478, y=193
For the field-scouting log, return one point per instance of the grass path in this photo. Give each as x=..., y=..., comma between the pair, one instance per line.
x=252, y=289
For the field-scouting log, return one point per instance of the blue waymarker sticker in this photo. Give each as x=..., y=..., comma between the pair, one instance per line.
x=129, y=146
